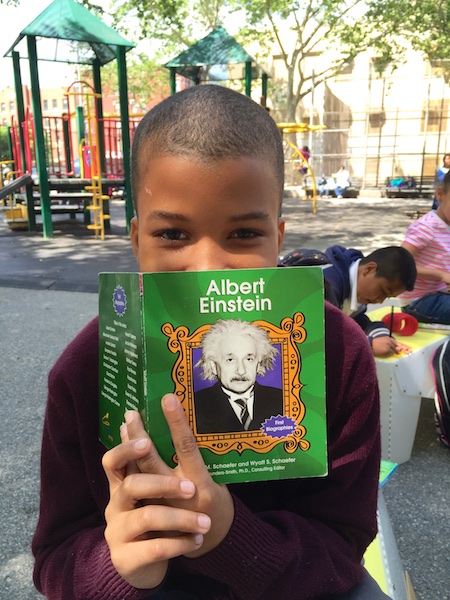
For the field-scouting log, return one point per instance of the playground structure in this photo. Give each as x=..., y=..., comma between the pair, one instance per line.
x=84, y=161
x=298, y=170
x=42, y=143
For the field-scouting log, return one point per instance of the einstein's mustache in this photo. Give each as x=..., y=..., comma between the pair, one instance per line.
x=243, y=378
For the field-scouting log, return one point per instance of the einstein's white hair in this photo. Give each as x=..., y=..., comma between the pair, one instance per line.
x=211, y=340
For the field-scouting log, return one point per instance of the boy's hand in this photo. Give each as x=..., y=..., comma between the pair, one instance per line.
x=401, y=348
x=210, y=498
x=385, y=346
x=142, y=538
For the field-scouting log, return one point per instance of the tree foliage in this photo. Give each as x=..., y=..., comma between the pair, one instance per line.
x=176, y=23
x=146, y=80
x=4, y=144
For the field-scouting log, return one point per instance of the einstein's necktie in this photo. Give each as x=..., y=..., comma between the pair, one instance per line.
x=245, y=415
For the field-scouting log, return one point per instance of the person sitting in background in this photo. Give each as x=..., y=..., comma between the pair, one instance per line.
x=353, y=281
x=322, y=185
x=428, y=240
x=342, y=180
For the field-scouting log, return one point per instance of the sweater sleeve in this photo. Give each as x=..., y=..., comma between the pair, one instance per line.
x=371, y=328
x=306, y=538
x=72, y=559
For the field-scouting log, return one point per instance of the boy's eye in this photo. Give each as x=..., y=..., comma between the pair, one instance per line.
x=171, y=234
x=245, y=233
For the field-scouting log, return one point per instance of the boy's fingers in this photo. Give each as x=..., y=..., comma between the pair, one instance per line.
x=153, y=488
x=151, y=462
x=158, y=520
x=189, y=457
x=117, y=461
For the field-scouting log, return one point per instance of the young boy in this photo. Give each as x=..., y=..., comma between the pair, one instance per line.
x=207, y=179
x=428, y=240
x=354, y=281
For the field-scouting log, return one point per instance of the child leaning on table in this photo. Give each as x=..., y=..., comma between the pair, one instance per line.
x=352, y=281
x=207, y=179
x=428, y=240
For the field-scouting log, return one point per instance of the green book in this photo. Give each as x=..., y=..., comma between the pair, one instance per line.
x=243, y=350
x=387, y=469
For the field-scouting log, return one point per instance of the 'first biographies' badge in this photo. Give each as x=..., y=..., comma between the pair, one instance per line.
x=119, y=301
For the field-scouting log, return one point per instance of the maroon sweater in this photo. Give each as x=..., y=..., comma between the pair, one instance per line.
x=297, y=539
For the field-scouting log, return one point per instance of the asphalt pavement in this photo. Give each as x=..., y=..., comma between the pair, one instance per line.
x=48, y=292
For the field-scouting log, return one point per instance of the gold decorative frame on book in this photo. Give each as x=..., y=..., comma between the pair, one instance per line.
x=288, y=336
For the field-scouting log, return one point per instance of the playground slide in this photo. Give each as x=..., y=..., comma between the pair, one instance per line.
x=15, y=185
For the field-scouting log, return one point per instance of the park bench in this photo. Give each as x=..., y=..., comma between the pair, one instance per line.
x=409, y=187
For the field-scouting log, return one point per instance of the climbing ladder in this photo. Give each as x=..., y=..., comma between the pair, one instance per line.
x=90, y=151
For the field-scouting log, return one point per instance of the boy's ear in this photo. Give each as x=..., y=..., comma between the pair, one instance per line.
x=369, y=268
x=440, y=193
x=134, y=236
x=281, y=224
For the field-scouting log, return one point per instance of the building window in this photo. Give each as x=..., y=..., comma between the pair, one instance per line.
x=347, y=69
x=435, y=119
x=11, y=106
x=45, y=104
x=376, y=121
x=55, y=103
x=3, y=107
x=65, y=104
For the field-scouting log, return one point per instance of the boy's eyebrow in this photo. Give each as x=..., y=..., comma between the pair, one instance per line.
x=258, y=214
x=163, y=214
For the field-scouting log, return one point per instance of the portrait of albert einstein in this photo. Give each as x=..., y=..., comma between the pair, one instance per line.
x=234, y=353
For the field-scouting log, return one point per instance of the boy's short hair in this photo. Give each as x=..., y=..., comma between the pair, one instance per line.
x=394, y=262
x=446, y=182
x=208, y=122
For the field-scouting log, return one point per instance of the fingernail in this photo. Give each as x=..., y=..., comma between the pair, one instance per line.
x=123, y=430
x=204, y=522
x=129, y=416
x=198, y=539
x=187, y=487
x=170, y=402
x=140, y=444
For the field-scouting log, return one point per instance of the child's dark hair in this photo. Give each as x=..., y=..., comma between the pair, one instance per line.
x=209, y=123
x=394, y=262
x=446, y=182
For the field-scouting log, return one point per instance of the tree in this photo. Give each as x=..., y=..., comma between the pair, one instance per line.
x=5, y=153
x=146, y=81
x=176, y=23
x=424, y=23
x=341, y=28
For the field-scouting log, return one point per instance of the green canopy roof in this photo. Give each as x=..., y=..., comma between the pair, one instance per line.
x=84, y=36
x=218, y=49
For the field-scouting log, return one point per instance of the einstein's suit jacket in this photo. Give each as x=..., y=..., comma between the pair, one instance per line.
x=215, y=415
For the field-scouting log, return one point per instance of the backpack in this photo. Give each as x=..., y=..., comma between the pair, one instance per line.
x=306, y=257
x=440, y=364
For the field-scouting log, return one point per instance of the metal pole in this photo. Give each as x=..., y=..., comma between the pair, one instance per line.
x=311, y=113
x=248, y=78
x=124, y=116
x=264, y=81
x=173, y=80
x=99, y=106
x=21, y=118
x=41, y=160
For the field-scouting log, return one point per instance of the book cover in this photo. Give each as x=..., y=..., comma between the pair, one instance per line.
x=243, y=350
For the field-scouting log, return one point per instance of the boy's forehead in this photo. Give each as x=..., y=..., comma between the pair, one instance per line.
x=160, y=171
